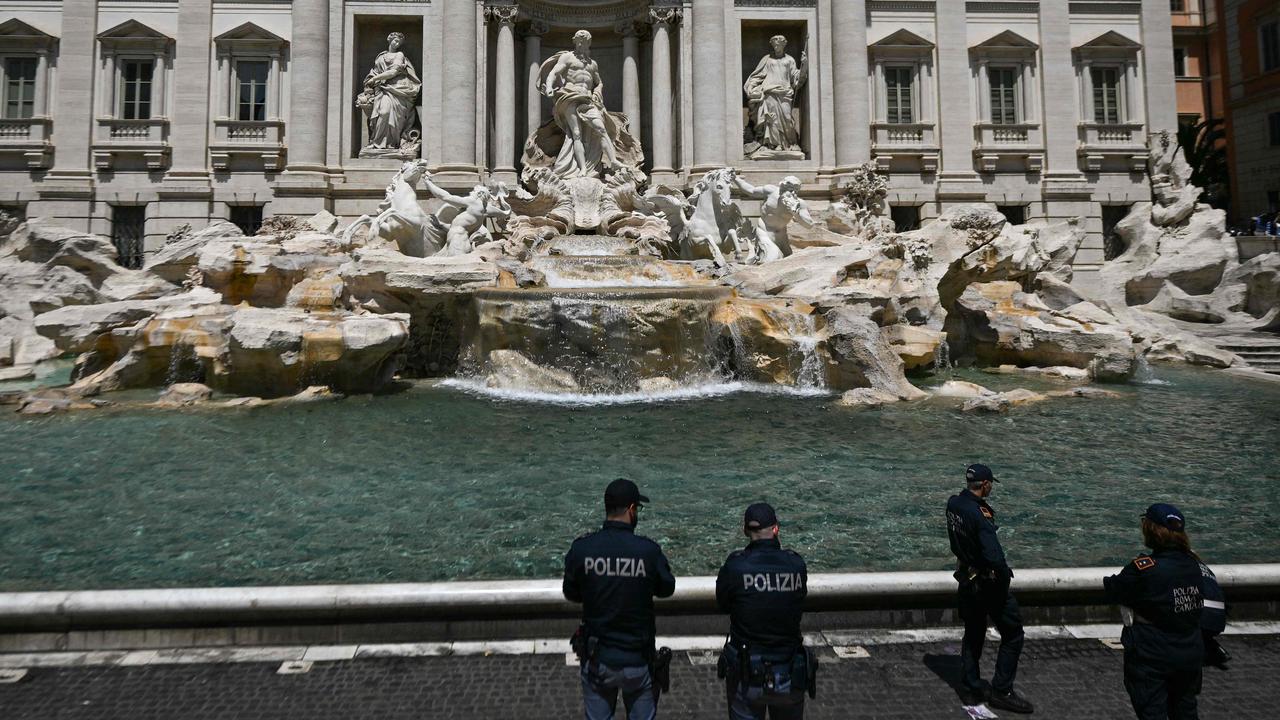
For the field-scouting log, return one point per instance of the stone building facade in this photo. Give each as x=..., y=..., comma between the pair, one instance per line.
x=128, y=118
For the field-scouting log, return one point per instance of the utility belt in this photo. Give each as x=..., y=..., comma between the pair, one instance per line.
x=771, y=673
x=967, y=573
x=587, y=648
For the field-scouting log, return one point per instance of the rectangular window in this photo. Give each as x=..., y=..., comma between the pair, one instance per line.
x=1004, y=93
x=247, y=217
x=20, y=87
x=898, y=105
x=1177, y=5
x=128, y=223
x=1273, y=201
x=1106, y=95
x=136, y=94
x=251, y=77
x=1269, y=45
x=1179, y=62
x=1015, y=214
x=905, y=217
x=1273, y=125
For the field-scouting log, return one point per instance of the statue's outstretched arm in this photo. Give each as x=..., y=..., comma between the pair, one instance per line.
x=443, y=194
x=553, y=77
x=748, y=189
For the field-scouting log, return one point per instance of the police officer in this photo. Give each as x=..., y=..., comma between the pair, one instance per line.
x=983, y=595
x=615, y=574
x=1163, y=597
x=762, y=587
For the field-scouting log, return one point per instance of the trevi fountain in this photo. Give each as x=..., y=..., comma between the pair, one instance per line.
x=352, y=402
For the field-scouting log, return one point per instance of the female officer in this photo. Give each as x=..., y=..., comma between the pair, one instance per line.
x=1163, y=599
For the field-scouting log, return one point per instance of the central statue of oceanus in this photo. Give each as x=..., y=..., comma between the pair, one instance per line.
x=583, y=139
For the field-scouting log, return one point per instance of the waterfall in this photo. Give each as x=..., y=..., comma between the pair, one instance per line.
x=942, y=356
x=1143, y=374
x=810, y=374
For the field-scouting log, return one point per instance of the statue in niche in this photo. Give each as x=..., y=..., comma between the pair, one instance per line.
x=781, y=204
x=774, y=128
x=586, y=140
x=389, y=103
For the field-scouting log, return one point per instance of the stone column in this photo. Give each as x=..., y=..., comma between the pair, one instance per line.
x=458, y=75
x=1157, y=58
x=955, y=116
x=504, y=120
x=630, y=74
x=189, y=116
x=1060, y=91
x=308, y=86
x=533, y=63
x=67, y=190
x=660, y=97
x=849, y=79
x=710, y=128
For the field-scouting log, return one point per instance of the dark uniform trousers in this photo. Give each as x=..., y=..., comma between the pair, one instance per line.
x=984, y=603
x=602, y=684
x=750, y=701
x=1157, y=694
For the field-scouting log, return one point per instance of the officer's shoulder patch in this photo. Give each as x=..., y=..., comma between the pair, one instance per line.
x=986, y=512
x=789, y=551
x=1144, y=562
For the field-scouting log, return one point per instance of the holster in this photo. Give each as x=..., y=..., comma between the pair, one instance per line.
x=811, y=671
x=578, y=642
x=661, y=670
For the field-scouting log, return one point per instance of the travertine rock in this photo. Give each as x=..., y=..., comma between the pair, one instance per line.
x=184, y=394
x=961, y=389
x=866, y=397
x=917, y=345
x=399, y=283
x=999, y=324
x=860, y=356
x=79, y=328
x=772, y=340
x=508, y=369
x=1002, y=402
x=174, y=259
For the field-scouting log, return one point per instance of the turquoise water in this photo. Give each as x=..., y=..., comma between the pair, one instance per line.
x=438, y=483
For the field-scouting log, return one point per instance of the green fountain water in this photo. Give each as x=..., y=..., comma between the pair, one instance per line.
x=443, y=482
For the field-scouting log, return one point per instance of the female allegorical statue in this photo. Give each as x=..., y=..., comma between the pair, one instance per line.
x=389, y=104
x=771, y=91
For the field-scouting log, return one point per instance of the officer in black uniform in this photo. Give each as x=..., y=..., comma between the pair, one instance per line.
x=1163, y=597
x=765, y=664
x=984, y=576
x=615, y=574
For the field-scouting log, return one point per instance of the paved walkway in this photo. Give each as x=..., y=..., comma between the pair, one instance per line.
x=1065, y=677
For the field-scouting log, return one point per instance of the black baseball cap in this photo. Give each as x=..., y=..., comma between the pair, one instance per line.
x=978, y=472
x=759, y=516
x=621, y=493
x=1166, y=516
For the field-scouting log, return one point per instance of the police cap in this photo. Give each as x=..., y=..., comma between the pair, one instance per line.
x=621, y=493
x=759, y=516
x=979, y=473
x=1166, y=516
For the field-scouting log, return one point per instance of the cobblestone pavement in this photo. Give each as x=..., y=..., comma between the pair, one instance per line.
x=1065, y=678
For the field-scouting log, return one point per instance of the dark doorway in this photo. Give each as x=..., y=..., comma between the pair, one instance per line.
x=1113, y=246
x=905, y=217
x=247, y=217
x=128, y=232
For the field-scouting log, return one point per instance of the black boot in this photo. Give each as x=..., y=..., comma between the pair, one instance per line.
x=1011, y=701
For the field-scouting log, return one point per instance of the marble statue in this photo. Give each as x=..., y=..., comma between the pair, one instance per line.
x=781, y=204
x=771, y=92
x=1175, y=197
x=400, y=219
x=707, y=223
x=389, y=103
x=460, y=225
x=572, y=80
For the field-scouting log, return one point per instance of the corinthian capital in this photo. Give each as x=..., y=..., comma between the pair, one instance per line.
x=501, y=14
x=665, y=15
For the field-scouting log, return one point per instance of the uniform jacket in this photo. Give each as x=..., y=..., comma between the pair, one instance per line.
x=1165, y=592
x=763, y=587
x=615, y=574
x=971, y=525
